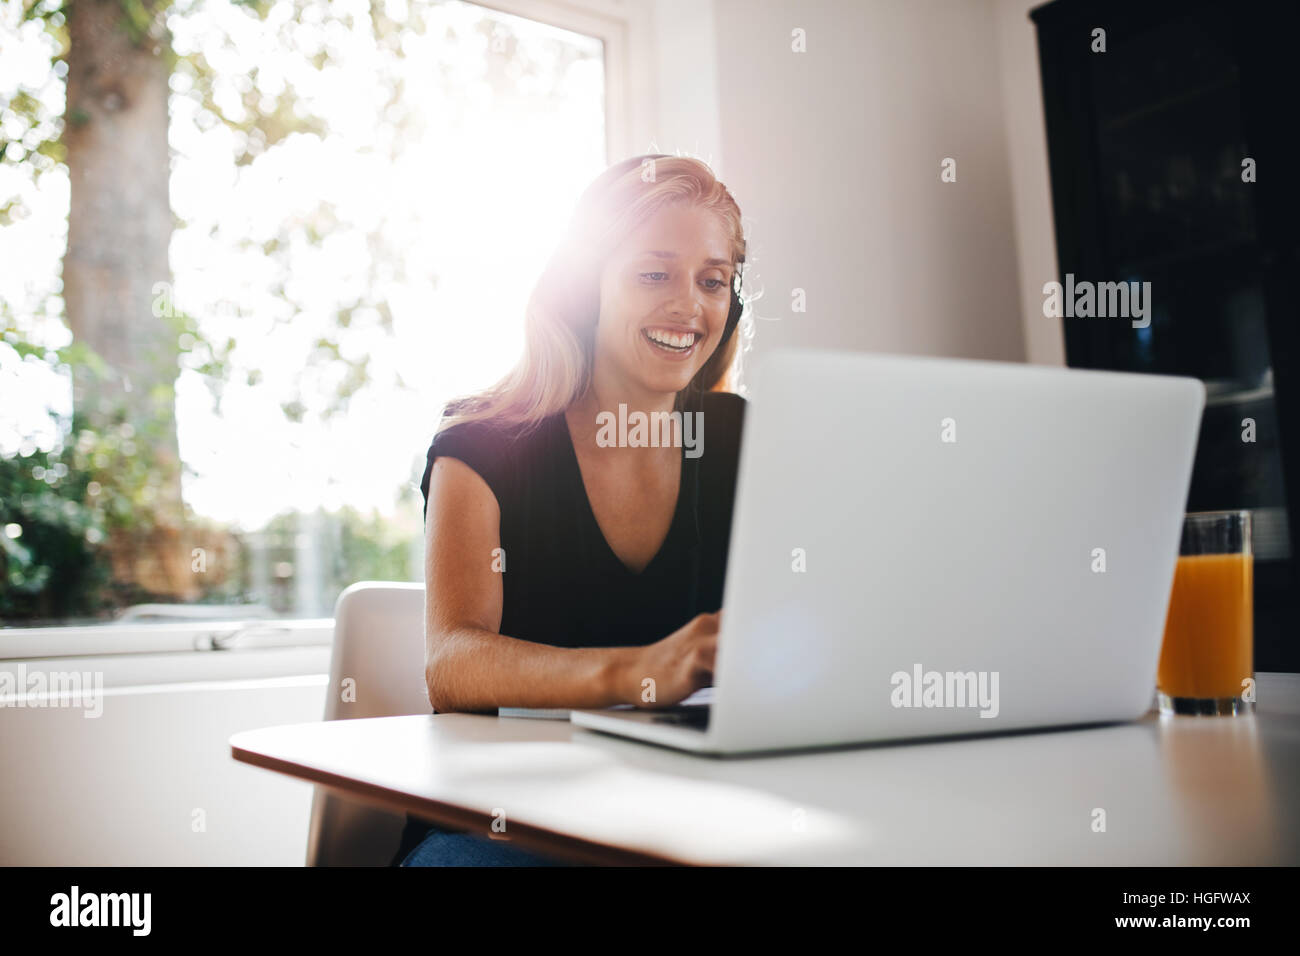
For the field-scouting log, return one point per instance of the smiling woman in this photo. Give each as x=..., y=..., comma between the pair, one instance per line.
x=565, y=570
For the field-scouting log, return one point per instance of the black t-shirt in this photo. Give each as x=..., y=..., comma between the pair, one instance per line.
x=561, y=582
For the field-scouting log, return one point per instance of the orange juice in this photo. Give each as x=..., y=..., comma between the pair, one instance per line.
x=1209, y=631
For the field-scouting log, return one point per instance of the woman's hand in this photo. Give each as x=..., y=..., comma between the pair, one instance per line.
x=668, y=671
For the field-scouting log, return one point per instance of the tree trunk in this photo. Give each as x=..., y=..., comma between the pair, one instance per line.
x=119, y=226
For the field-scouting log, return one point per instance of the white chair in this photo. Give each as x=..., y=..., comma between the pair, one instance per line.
x=379, y=645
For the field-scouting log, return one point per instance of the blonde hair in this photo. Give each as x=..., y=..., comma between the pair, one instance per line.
x=563, y=309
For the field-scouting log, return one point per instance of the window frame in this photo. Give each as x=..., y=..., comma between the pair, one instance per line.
x=614, y=23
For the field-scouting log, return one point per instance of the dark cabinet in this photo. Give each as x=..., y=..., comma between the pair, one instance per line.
x=1174, y=161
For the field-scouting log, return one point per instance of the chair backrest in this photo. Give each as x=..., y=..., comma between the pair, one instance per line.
x=376, y=670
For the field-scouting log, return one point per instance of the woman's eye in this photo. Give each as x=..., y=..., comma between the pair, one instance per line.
x=718, y=284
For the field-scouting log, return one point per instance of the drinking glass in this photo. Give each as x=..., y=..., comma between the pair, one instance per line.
x=1207, y=658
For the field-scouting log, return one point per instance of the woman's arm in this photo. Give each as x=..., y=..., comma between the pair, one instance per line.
x=469, y=666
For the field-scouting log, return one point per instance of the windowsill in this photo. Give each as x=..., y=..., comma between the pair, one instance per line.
x=168, y=637
x=149, y=671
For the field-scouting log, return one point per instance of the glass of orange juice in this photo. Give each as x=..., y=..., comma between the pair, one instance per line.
x=1207, y=659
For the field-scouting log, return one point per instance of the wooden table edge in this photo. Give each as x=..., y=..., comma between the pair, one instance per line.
x=539, y=839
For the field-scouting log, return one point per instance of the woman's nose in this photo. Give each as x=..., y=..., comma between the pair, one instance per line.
x=686, y=299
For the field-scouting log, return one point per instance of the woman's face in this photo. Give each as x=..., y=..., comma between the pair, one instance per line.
x=664, y=297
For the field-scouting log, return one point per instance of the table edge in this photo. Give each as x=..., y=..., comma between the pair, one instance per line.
x=528, y=836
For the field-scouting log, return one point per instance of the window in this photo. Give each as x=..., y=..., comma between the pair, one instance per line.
x=360, y=197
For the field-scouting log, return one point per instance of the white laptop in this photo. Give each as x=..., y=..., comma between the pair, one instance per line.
x=928, y=547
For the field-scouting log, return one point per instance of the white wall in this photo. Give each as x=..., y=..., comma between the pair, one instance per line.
x=835, y=157
x=121, y=789
x=1031, y=190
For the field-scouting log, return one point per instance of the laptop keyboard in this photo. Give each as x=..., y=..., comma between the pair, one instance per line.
x=693, y=715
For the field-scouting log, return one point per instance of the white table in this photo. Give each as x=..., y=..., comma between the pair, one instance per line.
x=1174, y=791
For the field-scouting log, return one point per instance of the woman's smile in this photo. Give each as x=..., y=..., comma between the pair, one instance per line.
x=672, y=343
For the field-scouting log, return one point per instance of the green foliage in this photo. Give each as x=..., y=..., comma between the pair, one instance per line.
x=52, y=568
x=142, y=20
x=350, y=545
x=260, y=127
x=100, y=477
x=102, y=483
x=195, y=349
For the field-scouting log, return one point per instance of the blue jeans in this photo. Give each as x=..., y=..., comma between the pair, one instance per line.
x=444, y=848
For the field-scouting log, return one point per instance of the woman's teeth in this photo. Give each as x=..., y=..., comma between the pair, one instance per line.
x=671, y=341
